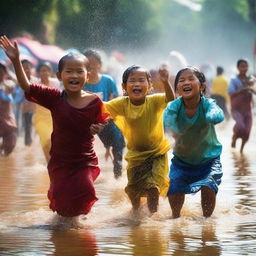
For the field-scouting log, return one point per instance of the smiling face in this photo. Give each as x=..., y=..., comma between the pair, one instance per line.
x=188, y=85
x=137, y=86
x=73, y=74
x=243, y=67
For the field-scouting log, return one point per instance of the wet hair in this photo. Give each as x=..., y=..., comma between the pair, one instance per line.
x=93, y=53
x=44, y=64
x=26, y=61
x=133, y=68
x=241, y=61
x=72, y=56
x=220, y=70
x=199, y=74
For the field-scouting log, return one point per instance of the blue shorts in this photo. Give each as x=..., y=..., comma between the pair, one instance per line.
x=188, y=179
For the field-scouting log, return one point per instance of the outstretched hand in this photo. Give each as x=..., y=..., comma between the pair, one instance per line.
x=11, y=49
x=96, y=128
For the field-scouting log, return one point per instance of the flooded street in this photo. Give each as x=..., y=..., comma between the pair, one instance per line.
x=26, y=221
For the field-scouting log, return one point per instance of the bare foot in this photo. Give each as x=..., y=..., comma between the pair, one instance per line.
x=64, y=223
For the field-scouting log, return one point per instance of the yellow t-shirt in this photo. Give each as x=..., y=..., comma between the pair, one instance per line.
x=220, y=86
x=142, y=126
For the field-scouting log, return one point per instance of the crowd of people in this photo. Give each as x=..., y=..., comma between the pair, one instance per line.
x=68, y=109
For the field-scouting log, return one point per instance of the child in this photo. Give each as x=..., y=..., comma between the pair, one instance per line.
x=73, y=165
x=219, y=90
x=140, y=118
x=105, y=87
x=42, y=118
x=8, y=128
x=240, y=91
x=28, y=107
x=196, y=162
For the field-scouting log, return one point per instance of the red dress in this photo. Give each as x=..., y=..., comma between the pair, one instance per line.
x=73, y=166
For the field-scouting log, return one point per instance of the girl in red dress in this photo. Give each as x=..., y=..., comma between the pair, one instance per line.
x=73, y=164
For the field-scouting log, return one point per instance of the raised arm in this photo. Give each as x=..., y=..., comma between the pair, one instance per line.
x=12, y=51
x=164, y=76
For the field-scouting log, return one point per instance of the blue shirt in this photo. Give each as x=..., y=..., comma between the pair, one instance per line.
x=234, y=85
x=5, y=97
x=104, y=88
x=18, y=95
x=196, y=140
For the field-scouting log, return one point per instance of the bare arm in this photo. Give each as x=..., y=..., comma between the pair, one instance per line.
x=12, y=51
x=164, y=76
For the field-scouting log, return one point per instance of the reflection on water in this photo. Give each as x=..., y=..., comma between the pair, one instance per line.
x=26, y=221
x=149, y=242
x=245, y=187
x=80, y=243
x=195, y=242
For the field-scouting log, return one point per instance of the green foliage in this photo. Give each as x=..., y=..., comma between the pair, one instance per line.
x=23, y=15
x=132, y=24
x=106, y=23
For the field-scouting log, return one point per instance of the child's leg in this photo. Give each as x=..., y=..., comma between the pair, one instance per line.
x=242, y=146
x=118, y=145
x=9, y=141
x=135, y=202
x=153, y=199
x=176, y=202
x=234, y=138
x=208, y=199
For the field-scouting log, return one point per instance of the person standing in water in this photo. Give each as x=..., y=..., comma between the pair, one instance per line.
x=42, y=119
x=73, y=164
x=219, y=90
x=8, y=128
x=105, y=87
x=196, y=163
x=240, y=91
x=28, y=107
x=140, y=118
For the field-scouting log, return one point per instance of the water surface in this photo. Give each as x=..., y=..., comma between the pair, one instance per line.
x=110, y=229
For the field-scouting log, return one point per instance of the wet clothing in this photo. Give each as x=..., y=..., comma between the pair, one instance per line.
x=8, y=128
x=241, y=109
x=196, y=144
x=110, y=135
x=73, y=165
x=146, y=176
x=188, y=179
x=42, y=121
x=142, y=126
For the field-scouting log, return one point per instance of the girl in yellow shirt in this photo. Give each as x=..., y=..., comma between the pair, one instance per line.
x=140, y=118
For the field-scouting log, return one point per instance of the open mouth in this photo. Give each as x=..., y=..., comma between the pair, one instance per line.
x=74, y=82
x=187, y=89
x=136, y=91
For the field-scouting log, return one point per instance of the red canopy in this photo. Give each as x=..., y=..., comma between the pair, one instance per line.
x=51, y=53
